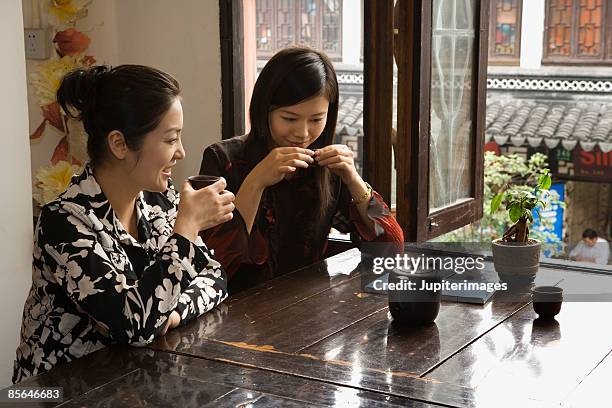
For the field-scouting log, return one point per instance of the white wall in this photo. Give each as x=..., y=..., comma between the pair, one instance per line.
x=15, y=200
x=351, y=32
x=181, y=38
x=532, y=34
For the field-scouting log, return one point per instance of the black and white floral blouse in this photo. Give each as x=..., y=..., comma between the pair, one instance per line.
x=93, y=284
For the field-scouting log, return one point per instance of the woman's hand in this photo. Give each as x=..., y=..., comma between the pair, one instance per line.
x=280, y=162
x=173, y=321
x=203, y=209
x=339, y=160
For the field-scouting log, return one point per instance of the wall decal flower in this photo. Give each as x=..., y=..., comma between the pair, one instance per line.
x=68, y=11
x=52, y=180
x=71, y=42
x=71, y=46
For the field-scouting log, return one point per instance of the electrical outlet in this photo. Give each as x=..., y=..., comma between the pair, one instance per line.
x=36, y=43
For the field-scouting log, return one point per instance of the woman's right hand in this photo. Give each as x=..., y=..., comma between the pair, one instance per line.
x=203, y=209
x=280, y=162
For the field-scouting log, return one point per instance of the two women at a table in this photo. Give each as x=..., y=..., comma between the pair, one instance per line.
x=118, y=257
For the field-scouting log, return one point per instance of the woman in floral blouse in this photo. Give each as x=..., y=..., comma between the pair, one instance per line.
x=116, y=259
x=291, y=183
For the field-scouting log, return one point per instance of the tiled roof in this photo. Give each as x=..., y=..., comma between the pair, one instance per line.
x=568, y=123
x=520, y=121
x=350, y=116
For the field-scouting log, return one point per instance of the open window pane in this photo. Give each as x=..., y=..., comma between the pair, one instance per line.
x=452, y=110
x=441, y=59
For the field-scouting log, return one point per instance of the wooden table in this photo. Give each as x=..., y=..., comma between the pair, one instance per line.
x=313, y=337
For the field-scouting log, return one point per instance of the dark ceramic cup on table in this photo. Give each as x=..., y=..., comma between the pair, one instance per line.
x=202, y=180
x=547, y=301
x=415, y=306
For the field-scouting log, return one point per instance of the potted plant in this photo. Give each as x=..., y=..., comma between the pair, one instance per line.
x=515, y=255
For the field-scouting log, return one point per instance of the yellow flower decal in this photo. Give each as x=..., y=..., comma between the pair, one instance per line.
x=48, y=75
x=68, y=11
x=53, y=180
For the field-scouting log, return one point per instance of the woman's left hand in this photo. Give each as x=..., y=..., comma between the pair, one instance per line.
x=173, y=320
x=339, y=160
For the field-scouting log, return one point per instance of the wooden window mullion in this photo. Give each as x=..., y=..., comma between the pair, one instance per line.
x=378, y=94
x=604, y=31
x=274, y=29
x=297, y=29
x=231, y=33
x=575, y=31
x=319, y=25
x=607, y=46
x=492, y=30
x=546, y=30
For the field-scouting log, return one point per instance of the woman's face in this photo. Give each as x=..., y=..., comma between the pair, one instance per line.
x=162, y=148
x=299, y=125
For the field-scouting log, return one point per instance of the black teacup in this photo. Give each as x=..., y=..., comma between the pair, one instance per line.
x=201, y=181
x=414, y=306
x=547, y=301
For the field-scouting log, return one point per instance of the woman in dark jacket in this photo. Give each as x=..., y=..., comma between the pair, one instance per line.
x=292, y=184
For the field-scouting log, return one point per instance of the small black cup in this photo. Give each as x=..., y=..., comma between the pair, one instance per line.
x=201, y=181
x=547, y=301
x=414, y=307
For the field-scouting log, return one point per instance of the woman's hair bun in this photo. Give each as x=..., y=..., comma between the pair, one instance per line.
x=77, y=91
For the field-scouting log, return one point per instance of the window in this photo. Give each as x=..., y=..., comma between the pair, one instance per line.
x=505, y=32
x=441, y=63
x=441, y=60
x=317, y=23
x=577, y=31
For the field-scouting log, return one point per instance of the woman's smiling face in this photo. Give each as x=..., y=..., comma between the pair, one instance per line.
x=162, y=148
x=299, y=125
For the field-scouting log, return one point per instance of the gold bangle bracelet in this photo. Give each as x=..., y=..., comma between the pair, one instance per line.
x=364, y=196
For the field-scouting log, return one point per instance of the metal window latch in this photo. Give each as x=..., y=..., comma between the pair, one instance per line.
x=432, y=225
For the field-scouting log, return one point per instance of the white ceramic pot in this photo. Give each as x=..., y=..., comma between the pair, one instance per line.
x=521, y=259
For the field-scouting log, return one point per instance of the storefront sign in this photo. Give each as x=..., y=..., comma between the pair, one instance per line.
x=594, y=165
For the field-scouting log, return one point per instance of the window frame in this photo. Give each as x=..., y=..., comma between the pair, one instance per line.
x=231, y=36
x=573, y=59
x=336, y=57
x=413, y=119
x=414, y=74
x=378, y=94
x=496, y=59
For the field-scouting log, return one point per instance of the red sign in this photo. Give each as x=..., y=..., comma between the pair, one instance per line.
x=492, y=147
x=594, y=165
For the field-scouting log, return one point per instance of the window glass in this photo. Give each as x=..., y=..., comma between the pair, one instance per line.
x=452, y=110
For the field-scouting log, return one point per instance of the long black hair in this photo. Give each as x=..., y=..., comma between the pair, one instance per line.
x=291, y=76
x=131, y=99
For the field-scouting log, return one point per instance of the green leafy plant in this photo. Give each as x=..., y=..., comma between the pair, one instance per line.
x=503, y=172
x=520, y=204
